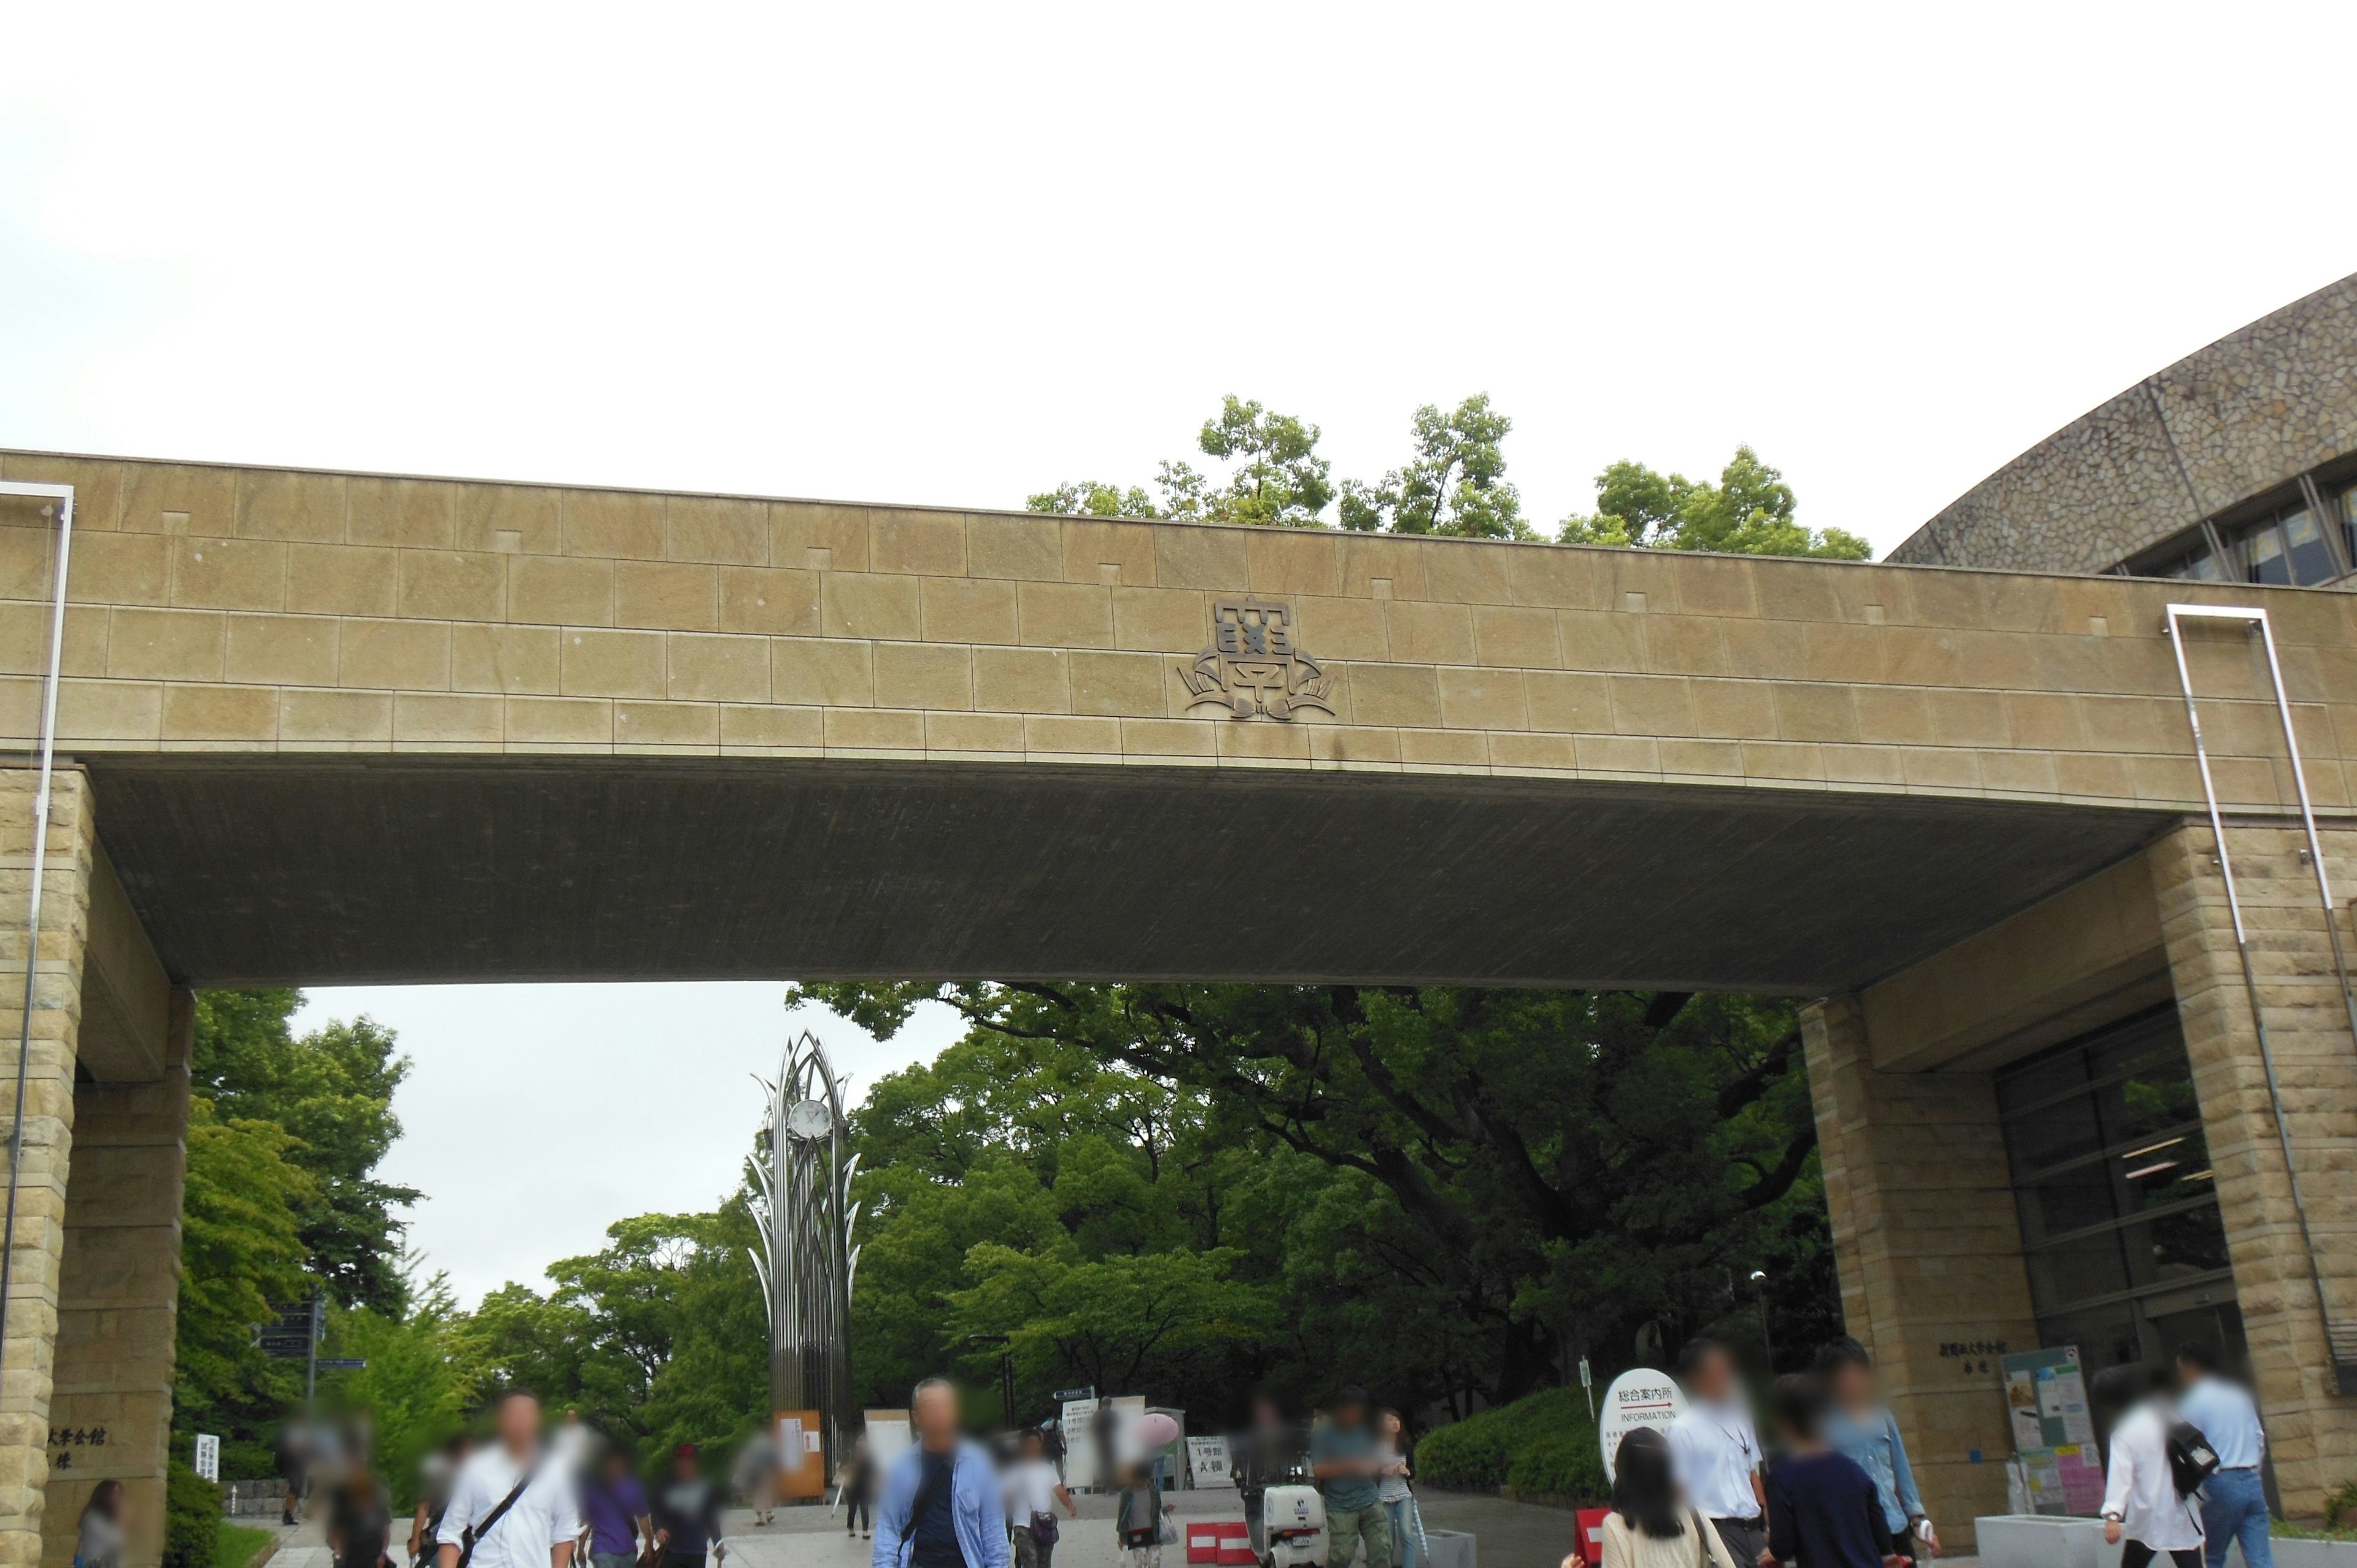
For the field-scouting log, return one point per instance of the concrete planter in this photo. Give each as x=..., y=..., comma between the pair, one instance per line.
x=1450, y=1549
x=2034, y=1540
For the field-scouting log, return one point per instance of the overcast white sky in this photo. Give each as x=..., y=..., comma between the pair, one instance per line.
x=958, y=253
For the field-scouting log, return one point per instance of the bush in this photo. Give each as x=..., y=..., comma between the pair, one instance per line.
x=192, y=1519
x=1543, y=1442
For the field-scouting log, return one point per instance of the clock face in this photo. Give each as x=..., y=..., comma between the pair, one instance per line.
x=810, y=1119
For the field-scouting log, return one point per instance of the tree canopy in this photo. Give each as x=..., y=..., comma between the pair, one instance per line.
x=1454, y=482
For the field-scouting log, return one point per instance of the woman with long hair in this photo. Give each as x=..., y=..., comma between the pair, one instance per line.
x=98, y=1541
x=1651, y=1526
x=1409, y=1547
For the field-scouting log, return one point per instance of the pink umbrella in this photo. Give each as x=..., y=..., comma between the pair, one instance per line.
x=1156, y=1430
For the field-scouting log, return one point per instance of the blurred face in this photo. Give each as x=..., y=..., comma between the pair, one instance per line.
x=683, y=1466
x=1350, y=1415
x=518, y=1421
x=1391, y=1424
x=937, y=1416
x=1033, y=1447
x=1853, y=1386
x=1713, y=1377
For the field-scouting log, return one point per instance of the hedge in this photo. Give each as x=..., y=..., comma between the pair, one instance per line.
x=1542, y=1443
x=192, y=1519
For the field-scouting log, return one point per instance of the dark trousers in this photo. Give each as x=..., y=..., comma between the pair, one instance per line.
x=1746, y=1538
x=862, y=1515
x=2136, y=1554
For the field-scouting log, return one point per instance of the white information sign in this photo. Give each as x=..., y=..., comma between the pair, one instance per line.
x=1638, y=1397
x=1080, y=1443
x=1207, y=1457
x=208, y=1460
x=888, y=1433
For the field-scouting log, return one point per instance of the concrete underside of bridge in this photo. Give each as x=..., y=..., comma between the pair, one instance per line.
x=327, y=727
x=397, y=869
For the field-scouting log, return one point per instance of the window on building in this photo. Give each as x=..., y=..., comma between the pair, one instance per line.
x=2287, y=549
x=2345, y=505
x=2120, y=1224
x=2196, y=563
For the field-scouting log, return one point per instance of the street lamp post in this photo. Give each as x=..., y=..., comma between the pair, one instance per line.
x=1760, y=1295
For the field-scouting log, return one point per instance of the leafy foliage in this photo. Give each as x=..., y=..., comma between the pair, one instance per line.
x=192, y=1518
x=1544, y=1441
x=1748, y=512
x=333, y=1092
x=1447, y=1193
x=1455, y=483
x=421, y=1381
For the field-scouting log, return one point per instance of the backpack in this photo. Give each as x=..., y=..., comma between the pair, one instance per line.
x=2191, y=1459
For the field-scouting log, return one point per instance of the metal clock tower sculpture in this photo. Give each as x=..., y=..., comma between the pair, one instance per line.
x=801, y=1205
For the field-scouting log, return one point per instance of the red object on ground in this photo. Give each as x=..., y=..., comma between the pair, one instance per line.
x=1235, y=1544
x=1203, y=1543
x=1590, y=1546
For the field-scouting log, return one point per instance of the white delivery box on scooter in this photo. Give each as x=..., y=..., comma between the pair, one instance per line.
x=1293, y=1522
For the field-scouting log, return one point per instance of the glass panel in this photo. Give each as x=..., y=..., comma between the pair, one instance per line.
x=2095, y=1266
x=2158, y=1095
x=2105, y=1335
x=2176, y=1246
x=2042, y=1080
x=2073, y=1200
x=2263, y=556
x=2304, y=546
x=2197, y=564
x=2038, y=1139
x=2348, y=510
x=2172, y=1170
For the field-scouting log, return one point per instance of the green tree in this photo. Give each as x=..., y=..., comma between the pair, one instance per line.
x=1455, y=483
x=420, y=1383
x=241, y=1253
x=1278, y=479
x=331, y=1090
x=1545, y=1172
x=1093, y=498
x=1119, y=1322
x=1750, y=512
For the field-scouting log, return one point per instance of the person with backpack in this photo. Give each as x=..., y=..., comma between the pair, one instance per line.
x=2235, y=1499
x=940, y=1505
x=2157, y=1464
x=509, y=1508
x=687, y=1514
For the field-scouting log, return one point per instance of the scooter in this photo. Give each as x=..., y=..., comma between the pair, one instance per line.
x=1293, y=1521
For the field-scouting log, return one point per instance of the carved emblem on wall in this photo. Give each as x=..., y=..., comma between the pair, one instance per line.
x=1255, y=668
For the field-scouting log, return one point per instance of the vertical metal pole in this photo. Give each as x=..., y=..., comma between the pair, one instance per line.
x=311, y=1359
x=2241, y=937
x=63, y=496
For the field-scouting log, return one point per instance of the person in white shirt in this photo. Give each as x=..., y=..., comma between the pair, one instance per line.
x=1030, y=1490
x=2235, y=1499
x=510, y=1508
x=2141, y=1503
x=1715, y=1451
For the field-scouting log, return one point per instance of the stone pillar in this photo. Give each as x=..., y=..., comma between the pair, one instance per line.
x=1928, y=1244
x=25, y=1382
x=118, y=1298
x=2311, y=1427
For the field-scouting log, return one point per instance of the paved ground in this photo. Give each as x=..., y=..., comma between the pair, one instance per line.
x=1508, y=1535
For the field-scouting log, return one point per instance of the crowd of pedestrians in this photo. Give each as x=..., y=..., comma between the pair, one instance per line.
x=2182, y=1478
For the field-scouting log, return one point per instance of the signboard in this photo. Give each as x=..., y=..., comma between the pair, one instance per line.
x=1066, y=1396
x=1638, y=1397
x=207, y=1458
x=1208, y=1461
x=2053, y=1431
x=1079, y=1422
x=888, y=1435
x=343, y=1363
x=291, y=1332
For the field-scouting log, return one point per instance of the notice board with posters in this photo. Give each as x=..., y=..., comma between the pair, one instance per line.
x=2054, y=1430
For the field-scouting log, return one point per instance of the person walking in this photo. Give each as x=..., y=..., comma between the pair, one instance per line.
x=938, y=1506
x=1857, y=1424
x=1409, y=1547
x=1715, y=1450
x=437, y=1474
x=1346, y=1458
x=509, y=1508
x=687, y=1514
x=1137, y=1519
x=2233, y=1499
x=1651, y=1526
x=1271, y=1454
x=1033, y=1488
x=359, y=1520
x=98, y=1534
x=2141, y=1503
x=615, y=1513
x=757, y=1476
x=1822, y=1508
x=859, y=1491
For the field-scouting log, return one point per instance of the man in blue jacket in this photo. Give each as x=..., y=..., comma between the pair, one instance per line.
x=939, y=1507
